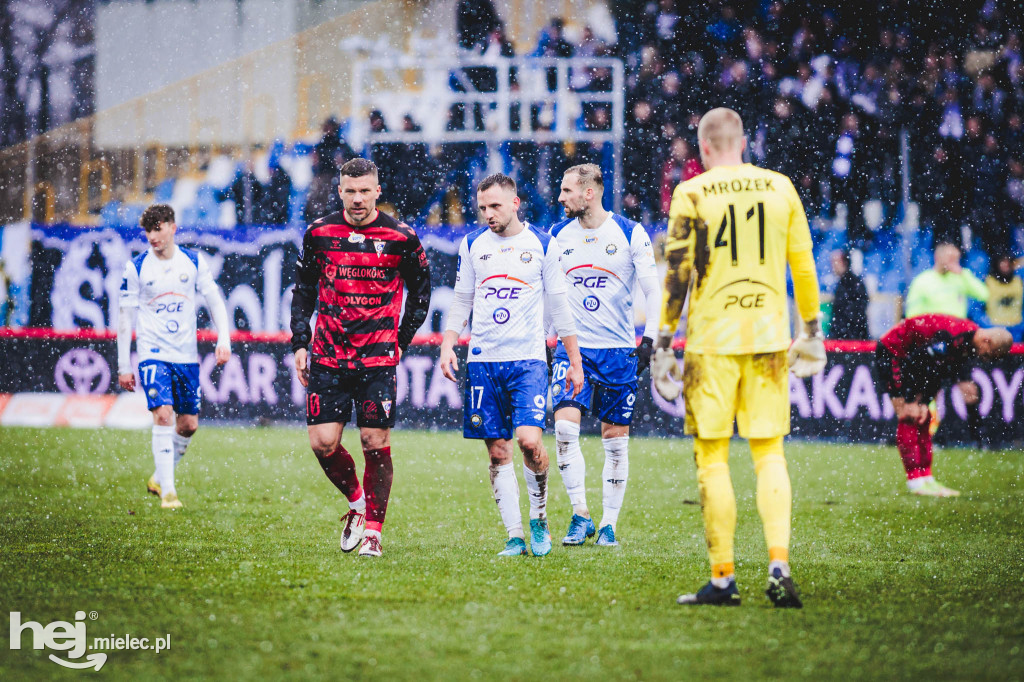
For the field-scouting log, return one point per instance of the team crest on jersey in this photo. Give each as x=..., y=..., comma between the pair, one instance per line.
x=183, y=277
x=590, y=240
x=526, y=256
x=556, y=389
x=356, y=238
x=379, y=246
x=611, y=249
x=476, y=420
x=386, y=404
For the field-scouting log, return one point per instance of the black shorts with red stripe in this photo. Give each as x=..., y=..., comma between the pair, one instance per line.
x=332, y=392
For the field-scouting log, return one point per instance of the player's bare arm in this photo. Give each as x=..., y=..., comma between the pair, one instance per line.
x=574, y=375
x=449, y=361
x=302, y=366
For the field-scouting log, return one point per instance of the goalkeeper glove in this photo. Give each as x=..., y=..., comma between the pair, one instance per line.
x=665, y=369
x=807, y=354
x=643, y=354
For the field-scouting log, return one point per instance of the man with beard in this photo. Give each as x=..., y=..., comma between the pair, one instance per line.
x=602, y=255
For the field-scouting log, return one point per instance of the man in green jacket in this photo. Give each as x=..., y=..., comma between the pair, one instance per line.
x=945, y=288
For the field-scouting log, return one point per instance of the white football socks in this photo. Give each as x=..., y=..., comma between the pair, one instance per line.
x=163, y=457
x=914, y=484
x=537, y=489
x=180, y=445
x=506, y=493
x=571, y=465
x=616, y=471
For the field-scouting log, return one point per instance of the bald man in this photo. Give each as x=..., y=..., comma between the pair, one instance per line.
x=733, y=230
x=916, y=358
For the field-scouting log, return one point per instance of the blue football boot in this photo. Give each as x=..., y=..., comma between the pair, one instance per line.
x=540, y=538
x=514, y=547
x=606, y=537
x=580, y=528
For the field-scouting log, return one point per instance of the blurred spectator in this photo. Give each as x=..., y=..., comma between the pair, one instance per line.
x=475, y=20
x=945, y=288
x=414, y=174
x=639, y=156
x=459, y=162
x=849, y=301
x=386, y=156
x=247, y=193
x=1005, y=296
x=681, y=165
x=328, y=156
x=552, y=43
x=850, y=180
x=942, y=193
x=275, y=200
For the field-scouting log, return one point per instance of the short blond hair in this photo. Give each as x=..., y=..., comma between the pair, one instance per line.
x=589, y=174
x=721, y=128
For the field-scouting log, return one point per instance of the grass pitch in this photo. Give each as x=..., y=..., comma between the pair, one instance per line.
x=250, y=583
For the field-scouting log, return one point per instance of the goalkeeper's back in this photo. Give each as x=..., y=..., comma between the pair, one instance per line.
x=738, y=225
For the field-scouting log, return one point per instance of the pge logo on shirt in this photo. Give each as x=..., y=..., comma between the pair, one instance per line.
x=503, y=293
x=171, y=307
x=592, y=282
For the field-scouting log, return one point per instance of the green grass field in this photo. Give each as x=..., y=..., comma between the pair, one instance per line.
x=249, y=581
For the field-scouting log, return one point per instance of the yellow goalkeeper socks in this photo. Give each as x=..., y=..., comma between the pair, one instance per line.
x=718, y=502
x=774, y=495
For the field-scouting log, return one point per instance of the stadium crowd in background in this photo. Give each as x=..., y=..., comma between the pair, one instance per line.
x=825, y=93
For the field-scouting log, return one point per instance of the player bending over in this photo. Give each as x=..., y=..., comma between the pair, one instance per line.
x=508, y=272
x=352, y=270
x=601, y=254
x=916, y=358
x=731, y=232
x=159, y=289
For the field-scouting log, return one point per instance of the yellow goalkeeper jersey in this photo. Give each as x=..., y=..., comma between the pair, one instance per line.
x=736, y=226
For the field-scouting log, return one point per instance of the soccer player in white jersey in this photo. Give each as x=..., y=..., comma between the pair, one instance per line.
x=159, y=288
x=508, y=272
x=602, y=255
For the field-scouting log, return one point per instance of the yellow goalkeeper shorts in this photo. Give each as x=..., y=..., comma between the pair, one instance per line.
x=753, y=390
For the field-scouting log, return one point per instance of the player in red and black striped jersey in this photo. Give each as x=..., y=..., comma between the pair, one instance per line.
x=353, y=269
x=913, y=361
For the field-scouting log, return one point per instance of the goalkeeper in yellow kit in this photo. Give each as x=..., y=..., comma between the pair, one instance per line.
x=731, y=232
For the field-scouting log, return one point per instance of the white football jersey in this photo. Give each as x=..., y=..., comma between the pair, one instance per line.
x=601, y=267
x=509, y=278
x=164, y=291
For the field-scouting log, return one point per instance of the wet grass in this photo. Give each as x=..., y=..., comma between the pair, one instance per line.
x=250, y=583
